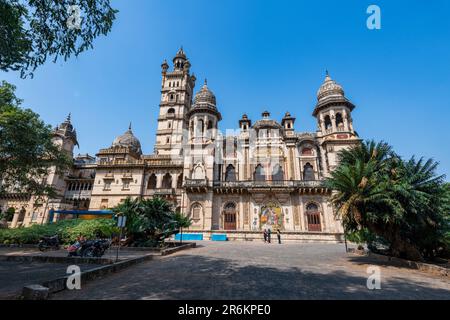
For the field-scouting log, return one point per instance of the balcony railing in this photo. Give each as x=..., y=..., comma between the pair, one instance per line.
x=189, y=183
x=270, y=184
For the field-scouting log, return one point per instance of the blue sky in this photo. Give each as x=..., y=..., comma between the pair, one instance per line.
x=261, y=55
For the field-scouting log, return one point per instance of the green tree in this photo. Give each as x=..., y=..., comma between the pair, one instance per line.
x=378, y=194
x=182, y=222
x=150, y=221
x=33, y=30
x=27, y=152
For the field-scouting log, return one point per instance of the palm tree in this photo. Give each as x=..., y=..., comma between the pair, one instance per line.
x=399, y=201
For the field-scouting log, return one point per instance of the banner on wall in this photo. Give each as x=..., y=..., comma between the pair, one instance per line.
x=271, y=216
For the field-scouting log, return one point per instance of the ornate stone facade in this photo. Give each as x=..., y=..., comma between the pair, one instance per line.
x=264, y=176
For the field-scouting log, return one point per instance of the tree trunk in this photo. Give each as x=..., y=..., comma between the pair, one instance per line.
x=399, y=247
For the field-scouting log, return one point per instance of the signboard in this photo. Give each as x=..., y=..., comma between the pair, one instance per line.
x=121, y=221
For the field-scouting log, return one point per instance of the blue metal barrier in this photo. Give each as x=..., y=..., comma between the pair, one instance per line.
x=219, y=237
x=189, y=236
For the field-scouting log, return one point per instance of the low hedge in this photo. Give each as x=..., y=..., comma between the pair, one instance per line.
x=67, y=230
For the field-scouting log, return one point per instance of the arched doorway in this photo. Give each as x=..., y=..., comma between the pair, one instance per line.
x=167, y=181
x=229, y=216
x=313, y=217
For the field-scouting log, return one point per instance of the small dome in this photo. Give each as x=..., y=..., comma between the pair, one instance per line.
x=266, y=122
x=128, y=140
x=205, y=96
x=329, y=88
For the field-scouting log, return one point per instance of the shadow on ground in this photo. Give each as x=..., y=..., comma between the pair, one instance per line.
x=200, y=277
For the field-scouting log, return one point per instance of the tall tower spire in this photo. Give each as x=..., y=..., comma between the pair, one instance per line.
x=176, y=98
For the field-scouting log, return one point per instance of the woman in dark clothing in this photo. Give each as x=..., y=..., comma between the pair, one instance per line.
x=265, y=235
x=268, y=235
x=279, y=236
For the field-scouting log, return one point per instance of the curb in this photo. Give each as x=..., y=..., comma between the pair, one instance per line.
x=60, y=284
x=168, y=251
x=425, y=267
x=72, y=260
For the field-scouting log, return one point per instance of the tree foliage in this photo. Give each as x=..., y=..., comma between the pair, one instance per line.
x=27, y=152
x=33, y=30
x=150, y=221
x=67, y=231
x=403, y=203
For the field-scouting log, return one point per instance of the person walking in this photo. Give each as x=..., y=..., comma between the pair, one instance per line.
x=268, y=235
x=279, y=236
x=265, y=235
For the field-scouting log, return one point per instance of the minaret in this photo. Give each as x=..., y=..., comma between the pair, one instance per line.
x=335, y=128
x=176, y=98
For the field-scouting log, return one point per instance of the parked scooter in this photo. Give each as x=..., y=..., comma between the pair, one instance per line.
x=47, y=243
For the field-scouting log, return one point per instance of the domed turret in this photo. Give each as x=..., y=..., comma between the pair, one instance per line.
x=128, y=140
x=329, y=94
x=329, y=88
x=179, y=60
x=205, y=97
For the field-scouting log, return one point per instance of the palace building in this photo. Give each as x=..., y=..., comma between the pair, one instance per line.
x=266, y=176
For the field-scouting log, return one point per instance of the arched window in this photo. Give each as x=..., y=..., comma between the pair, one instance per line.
x=198, y=173
x=210, y=124
x=167, y=181
x=171, y=97
x=168, y=140
x=339, y=120
x=259, y=174
x=313, y=217
x=327, y=122
x=196, y=211
x=277, y=173
x=308, y=172
x=152, y=182
x=200, y=128
x=171, y=111
x=180, y=181
x=230, y=173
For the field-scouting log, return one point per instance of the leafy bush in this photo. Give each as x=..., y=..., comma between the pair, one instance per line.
x=67, y=230
x=150, y=221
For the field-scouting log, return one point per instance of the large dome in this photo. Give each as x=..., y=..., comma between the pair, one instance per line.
x=329, y=88
x=205, y=97
x=128, y=140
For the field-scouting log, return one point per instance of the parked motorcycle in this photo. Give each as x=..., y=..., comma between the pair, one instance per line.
x=47, y=243
x=89, y=248
x=97, y=248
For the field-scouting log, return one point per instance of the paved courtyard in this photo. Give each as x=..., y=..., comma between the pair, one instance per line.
x=235, y=270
